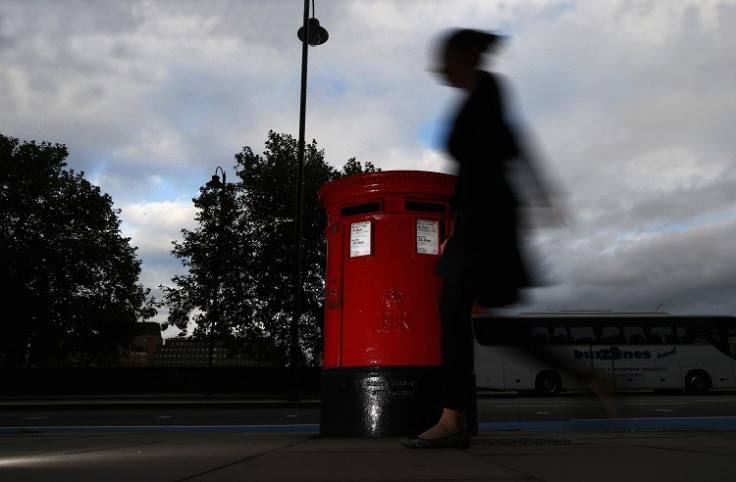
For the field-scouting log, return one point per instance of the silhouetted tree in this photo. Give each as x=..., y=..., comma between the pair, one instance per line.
x=215, y=283
x=257, y=254
x=70, y=280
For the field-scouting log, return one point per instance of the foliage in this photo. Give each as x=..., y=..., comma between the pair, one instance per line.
x=243, y=284
x=71, y=280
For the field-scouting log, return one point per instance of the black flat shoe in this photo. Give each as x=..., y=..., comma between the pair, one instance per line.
x=458, y=440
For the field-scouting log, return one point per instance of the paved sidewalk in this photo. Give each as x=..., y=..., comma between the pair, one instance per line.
x=498, y=456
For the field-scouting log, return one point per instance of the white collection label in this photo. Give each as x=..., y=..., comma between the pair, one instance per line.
x=428, y=237
x=360, y=239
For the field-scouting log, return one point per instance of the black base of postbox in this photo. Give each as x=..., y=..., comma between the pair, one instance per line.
x=380, y=401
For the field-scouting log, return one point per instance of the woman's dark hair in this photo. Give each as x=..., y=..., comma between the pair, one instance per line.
x=468, y=40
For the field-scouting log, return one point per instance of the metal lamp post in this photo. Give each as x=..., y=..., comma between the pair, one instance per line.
x=215, y=183
x=311, y=33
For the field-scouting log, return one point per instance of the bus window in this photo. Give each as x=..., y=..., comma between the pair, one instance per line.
x=611, y=334
x=634, y=335
x=540, y=334
x=662, y=334
x=669, y=335
x=582, y=334
x=718, y=337
x=703, y=335
x=559, y=335
x=732, y=340
x=684, y=335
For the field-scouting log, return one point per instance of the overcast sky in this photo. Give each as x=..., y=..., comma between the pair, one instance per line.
x=631, y=106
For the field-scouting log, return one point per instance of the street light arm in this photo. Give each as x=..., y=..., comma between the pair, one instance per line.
x=224, y=175
x=215, y=181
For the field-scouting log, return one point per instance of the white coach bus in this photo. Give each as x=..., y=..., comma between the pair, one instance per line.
x=551, y=352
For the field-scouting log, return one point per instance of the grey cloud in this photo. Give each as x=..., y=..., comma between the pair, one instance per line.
x=631, y=104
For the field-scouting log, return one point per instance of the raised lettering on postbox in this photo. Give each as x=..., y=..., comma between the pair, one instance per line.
x=393, y=316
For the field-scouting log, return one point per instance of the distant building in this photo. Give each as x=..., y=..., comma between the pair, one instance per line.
x=187, y=352
x=144, y=347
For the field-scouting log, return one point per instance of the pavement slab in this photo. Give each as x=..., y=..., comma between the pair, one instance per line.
x=125, y=457
x=690, y=456
x=646, y=457
x=364, y=460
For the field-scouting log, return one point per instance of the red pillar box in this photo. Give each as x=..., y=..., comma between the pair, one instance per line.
x=382, y=335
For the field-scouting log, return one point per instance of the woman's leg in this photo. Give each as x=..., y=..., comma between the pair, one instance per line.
x=456, y=303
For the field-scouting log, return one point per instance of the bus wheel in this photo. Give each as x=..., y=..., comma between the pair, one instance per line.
x=548, y=383
x=697, y=381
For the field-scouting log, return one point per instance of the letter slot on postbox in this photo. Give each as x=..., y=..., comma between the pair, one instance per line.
x=382, y=334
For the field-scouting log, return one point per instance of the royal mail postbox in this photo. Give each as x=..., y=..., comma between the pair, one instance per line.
x=382, y=336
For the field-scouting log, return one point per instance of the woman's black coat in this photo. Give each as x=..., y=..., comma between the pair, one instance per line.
x=483, y=253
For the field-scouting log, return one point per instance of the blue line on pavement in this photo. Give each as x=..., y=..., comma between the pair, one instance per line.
x=302, y=428
x=617, y=425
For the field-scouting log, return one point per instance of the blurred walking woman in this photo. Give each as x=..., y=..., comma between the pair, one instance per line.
x=481, y=261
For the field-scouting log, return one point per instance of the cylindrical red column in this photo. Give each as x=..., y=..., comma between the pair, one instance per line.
x=382, y=334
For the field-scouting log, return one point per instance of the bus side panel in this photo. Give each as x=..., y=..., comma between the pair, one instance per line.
x=517, y=373
x=602, y=363
x=632, y=367
x=489, y=375
x=569, y=362
x=724, y=376
x=502, y=368
x=728, y=376
x=657, y=367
